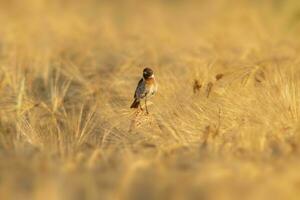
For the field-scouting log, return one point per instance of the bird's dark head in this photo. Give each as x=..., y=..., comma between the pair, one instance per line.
x=147, y=73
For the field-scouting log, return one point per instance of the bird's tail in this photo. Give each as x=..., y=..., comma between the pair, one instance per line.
x=135, y=104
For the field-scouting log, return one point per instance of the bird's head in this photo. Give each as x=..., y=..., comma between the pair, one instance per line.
x=148, y=73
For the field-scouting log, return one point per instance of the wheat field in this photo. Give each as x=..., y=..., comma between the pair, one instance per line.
x=225, y=123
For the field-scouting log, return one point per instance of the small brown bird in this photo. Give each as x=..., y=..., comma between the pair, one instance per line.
x=146, y=88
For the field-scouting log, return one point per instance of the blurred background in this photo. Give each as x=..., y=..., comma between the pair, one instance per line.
x=224, y=124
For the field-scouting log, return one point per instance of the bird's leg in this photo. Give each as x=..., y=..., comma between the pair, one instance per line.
x=140, y=105
x=146, y=106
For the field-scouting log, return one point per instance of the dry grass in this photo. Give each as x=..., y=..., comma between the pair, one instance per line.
x=224, y=125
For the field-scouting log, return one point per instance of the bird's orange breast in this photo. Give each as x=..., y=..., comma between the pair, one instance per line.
x=150, y=81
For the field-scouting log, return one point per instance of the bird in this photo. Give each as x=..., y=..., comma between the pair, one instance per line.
x=145, y=89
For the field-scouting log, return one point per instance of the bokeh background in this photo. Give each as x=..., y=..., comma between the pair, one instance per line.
x=224, y=124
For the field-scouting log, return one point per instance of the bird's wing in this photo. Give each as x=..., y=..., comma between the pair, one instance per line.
x=139, y=89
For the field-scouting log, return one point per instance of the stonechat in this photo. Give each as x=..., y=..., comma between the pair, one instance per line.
x=146, y=88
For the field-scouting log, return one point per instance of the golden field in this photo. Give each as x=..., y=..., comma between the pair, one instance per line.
x=68, y=71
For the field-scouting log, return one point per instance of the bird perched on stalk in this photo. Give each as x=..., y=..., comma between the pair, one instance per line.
x=146, y=88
